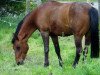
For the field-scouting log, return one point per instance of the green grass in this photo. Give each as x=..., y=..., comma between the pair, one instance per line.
x=35, y=57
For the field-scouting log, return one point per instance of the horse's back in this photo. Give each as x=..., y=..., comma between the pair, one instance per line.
x=63, y=17
x=52, y=16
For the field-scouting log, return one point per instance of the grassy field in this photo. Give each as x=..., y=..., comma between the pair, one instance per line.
x=35, y=57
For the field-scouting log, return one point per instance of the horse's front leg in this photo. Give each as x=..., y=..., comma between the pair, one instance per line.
x=57, y=48
x=45, y=37
x=78, y=44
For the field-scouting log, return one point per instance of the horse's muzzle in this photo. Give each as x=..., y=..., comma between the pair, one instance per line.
x=20, y=62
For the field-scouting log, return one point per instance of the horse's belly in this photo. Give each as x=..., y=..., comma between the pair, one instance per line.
x=61, y=31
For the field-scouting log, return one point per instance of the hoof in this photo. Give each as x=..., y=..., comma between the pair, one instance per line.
x=74, y=65
x=60, y=63
x=46, y=64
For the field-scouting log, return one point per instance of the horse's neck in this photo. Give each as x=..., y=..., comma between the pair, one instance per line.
x=27, y=29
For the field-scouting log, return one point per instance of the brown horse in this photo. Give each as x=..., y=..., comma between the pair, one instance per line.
x=54, y=19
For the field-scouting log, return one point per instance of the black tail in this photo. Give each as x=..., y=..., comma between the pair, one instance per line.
x=94, y=25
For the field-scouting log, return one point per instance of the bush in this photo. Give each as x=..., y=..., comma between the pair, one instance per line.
x=11, y=6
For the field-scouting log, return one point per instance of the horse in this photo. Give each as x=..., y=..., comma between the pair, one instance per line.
x=53, y=19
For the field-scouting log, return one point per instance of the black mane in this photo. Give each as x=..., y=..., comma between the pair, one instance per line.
x=18, y=29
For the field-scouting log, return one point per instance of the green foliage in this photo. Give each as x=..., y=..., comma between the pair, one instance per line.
x=12, y=6
x=44, y=1
x=18, y=6
x=35, y=57
x=71, y=0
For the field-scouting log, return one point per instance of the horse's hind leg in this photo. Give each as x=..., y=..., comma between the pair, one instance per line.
x=87, y=43
x=45, y=37
x=57, y=49
x=78, y=44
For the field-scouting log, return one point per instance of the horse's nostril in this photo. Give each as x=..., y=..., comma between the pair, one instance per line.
x=20, y=63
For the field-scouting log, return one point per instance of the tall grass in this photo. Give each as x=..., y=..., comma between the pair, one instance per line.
x=34, y=61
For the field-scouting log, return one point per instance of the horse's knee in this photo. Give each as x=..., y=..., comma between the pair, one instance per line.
x=78, y=47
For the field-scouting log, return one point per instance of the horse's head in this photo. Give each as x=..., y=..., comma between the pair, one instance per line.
x=20, y=48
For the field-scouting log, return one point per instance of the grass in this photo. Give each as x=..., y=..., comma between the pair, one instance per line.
x=34, y=60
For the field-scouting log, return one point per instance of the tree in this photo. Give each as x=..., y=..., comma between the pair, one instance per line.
x=50, y=0
x=11, y=6
x=38, y=2
x=27, y=6
x=99, y=8
x=88, y=0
